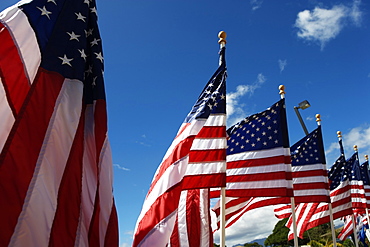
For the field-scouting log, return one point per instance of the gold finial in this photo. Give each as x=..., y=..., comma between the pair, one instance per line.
x=355, y=148
x=318, y=118
x=282, y=89
x=339, y=134
x=222, y=35
x=366, y=157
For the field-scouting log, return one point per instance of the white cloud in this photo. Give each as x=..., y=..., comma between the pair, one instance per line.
x=282, y=64
x=321, y=25
x=256, y=224
x=234, y=108
x=359, y=136
x=256, y=4
x=121, y=167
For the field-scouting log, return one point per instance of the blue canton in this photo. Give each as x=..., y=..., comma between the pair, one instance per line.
x=264, y=130
x=69, y=41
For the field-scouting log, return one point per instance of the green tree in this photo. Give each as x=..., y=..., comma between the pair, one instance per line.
x=279, y=235
x=255, y=244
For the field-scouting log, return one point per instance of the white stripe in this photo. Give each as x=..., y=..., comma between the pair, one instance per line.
x=259, y=184
x=258, y=154
x=182, y=223
x=35, y=222
x=257, y=170
x=308, y=180
x=89, y=178
x=24, y=37
x=311, y=192
x=311, y=167
x=216, y=120
x=207, y=144
x=7, y=118
x=204, y=217
x=172, y=176
x=205, y=168
x=105, y=190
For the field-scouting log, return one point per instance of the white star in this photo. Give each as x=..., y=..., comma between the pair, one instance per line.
x=94, y=81
x=73, y=36
x=89, y=70
x=99, y=56
x=53, y=1
x=94, y=42
x=83, y=55
x=87, y=2
x=80, y=17
x=93, y=10
x=44, y=11
x=89, y=32
x=66, y=60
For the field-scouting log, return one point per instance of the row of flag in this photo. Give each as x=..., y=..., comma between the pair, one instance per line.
x=254, y=163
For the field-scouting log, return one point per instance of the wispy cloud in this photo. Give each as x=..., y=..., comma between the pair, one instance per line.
x=256, y=4
x=235, y=109
x=121, y=167
x=359, y=136
x=256, y=224
x=321, y=25
x=282, y=64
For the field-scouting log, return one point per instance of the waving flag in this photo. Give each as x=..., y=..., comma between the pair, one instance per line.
x=340, y=196
x=258, y=156
x=357, y=185
x=310, y=178
x=365, y=175
x=195, y=159
x=55, y=161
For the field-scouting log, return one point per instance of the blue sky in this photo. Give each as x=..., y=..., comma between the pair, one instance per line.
x=159, y=55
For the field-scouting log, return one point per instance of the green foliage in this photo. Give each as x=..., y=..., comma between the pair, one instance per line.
x=255, y=244
x=279, y=235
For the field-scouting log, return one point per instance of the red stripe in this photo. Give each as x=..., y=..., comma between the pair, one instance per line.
x=100, y=130
x=212, y=132
x=179, y=151
x=175, y=237
x=311, y=186
x=260, y=192
x=193, y=218
x=259, y=162
x=21, y=151
x=210, y=155
x=204, y=181
x=312, y=173
x=64, y=228
x=111, y=238
x=257, y=177
x=12, y=72
x=311, y=198
x=165, y=205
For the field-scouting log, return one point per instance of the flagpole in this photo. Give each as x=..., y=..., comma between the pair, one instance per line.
x=292, y=202
x=318, y=121
x=353, y=215
x=222, y=42
x=367, y=211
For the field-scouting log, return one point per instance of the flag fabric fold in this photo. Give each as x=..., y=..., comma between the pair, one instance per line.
x=195, y=160
x=365, y=176
x=55, y=162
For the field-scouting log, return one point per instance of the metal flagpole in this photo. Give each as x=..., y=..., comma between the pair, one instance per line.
x=222, y=42
x=318, y=120
x=292, y=202
x=353, y=215
x=367, y=211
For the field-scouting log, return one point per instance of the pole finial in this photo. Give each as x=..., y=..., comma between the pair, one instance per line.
x=318, y=118
x=339, y=133
x=355, y=148
x=282, y=91
x=366, y=157
x=222, y=35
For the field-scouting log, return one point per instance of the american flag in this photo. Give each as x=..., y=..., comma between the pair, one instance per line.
x=357, y=185
x=365, y=175
x=55, y=161
x=195, y=159
x=283, y=211
x=340, y=196
x=258, y=156
x=310, y=178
